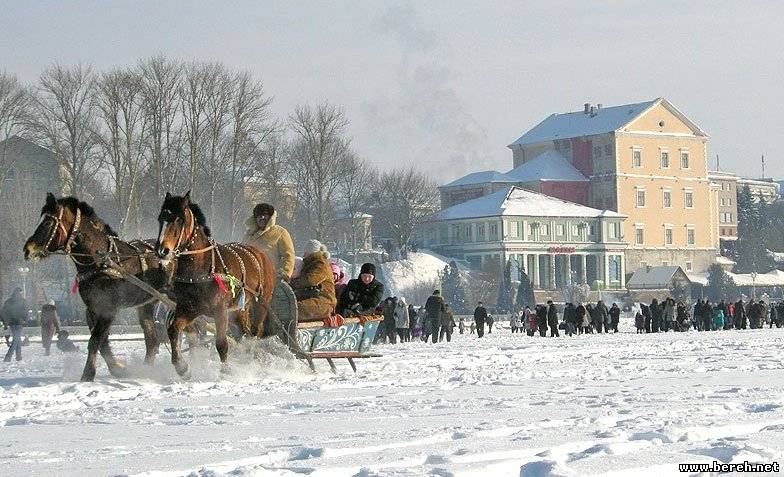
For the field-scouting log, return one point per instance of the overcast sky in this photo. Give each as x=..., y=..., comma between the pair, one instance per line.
x=447, y=85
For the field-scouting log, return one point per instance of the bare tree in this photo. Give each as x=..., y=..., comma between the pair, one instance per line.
x=160, y=87
x=194, y=95
x=65, y=120
x=321, y=153
x=123, y=135
x=250, y=130
x=355, y=191
x=404, y=199
x=14, y=116
x=217, y=85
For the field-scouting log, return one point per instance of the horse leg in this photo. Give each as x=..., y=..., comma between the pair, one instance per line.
x=98, y=332
x=175, y=328
x=146, y=320
x=244, y=321
x=221, y=342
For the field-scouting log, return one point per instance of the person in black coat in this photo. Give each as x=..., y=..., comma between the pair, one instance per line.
x=656, y=316
x=615, y=318
x=480, y=317
x=552, y=318
x=740, y=315
x=434, y=308
x=541, y=319
x=362, y=295
x=646, y=312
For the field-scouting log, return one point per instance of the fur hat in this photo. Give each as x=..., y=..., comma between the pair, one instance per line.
x=313, y=246
x=263, y=209
x=368, y=268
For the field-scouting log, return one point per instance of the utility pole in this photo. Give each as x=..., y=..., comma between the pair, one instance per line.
x=718, y=164
x=763, y=166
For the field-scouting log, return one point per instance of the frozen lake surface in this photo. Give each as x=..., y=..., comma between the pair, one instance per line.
x=504, y=405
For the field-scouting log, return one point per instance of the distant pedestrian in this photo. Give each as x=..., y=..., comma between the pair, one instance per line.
x=490, y=320
x=434, y=308
x=50, y=325
x=639, y=322
x=14, y=314
x=480, y=317
x=401, y=320
x=447, y=324
x=552, y=318
x=615, y=318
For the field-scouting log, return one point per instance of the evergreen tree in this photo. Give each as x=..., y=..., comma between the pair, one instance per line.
x=454, y=288
x=525, y=292
x=720, y=285
x=504, y=303
x=751, y=252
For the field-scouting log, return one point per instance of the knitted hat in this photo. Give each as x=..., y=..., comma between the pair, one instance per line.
x=313, y=246
x=368, y=268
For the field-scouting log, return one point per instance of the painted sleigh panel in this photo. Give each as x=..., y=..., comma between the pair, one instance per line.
x=352, y=334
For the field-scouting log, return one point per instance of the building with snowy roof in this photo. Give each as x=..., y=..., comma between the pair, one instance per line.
x=555, y=241
x=647, y=161
x=549, y=173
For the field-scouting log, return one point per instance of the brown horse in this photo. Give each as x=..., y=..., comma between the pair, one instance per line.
x=211, y=279
x=71, y=227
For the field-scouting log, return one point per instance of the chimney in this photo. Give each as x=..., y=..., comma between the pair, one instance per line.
x=587, y=108
x=594, y=110
x=599, y=106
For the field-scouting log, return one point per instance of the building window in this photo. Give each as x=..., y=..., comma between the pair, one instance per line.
x=592, y=229
x=639, y=236
x=640, y=197
x=608, y=150
x=665, y=263
x=559, y=230
x=614, y=269
x=612, y=230
x=480, y=232
x=597, y=151
x=665, y=159
x=684, y=159
x=690, y=237
x=668, y=236
x=636, y=157
x=666, y=199
x=493, y=231
x=688, y=266
x=729, y=201
x=688, y=199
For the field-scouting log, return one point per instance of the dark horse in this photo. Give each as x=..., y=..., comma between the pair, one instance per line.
x=211, y=279
x=71, y=227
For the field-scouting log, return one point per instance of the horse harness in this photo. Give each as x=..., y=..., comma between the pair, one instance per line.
x=215, y=253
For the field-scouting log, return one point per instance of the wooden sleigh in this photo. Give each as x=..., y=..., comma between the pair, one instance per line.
x=333, y=338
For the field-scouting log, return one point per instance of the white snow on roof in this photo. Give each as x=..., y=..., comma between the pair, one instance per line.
x=577, y=124
x=549, y=165
x=515, y=201
x=722, y=260
x=652, y=277
x=481, y=177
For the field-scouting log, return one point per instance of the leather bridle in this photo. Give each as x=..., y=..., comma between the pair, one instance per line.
x=70, y=237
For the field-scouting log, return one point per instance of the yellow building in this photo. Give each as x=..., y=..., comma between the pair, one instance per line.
x=648, y=162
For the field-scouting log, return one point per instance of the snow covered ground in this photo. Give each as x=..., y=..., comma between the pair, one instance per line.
x=505, y=405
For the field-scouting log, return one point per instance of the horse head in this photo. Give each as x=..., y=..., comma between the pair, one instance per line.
x=178, y=223
x=59, y=226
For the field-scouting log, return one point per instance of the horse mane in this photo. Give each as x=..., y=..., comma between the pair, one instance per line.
x=175, y=203
x=73, y=204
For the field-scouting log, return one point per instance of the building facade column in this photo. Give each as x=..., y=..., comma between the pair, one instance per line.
x=534, y=275
x=568, y=269
x=583, y=269
x=551, y=267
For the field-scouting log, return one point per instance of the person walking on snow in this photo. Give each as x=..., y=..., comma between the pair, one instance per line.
x=480, y=316
x=552, y=318
x=50, y=325
x=14, y=315
x=434, y=306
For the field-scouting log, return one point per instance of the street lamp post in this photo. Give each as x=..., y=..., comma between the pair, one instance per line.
x=753, y=285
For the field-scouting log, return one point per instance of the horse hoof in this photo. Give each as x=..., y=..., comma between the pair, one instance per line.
x=183, y=370
x=88, y=377
x=225, y=370
x=119, y=371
